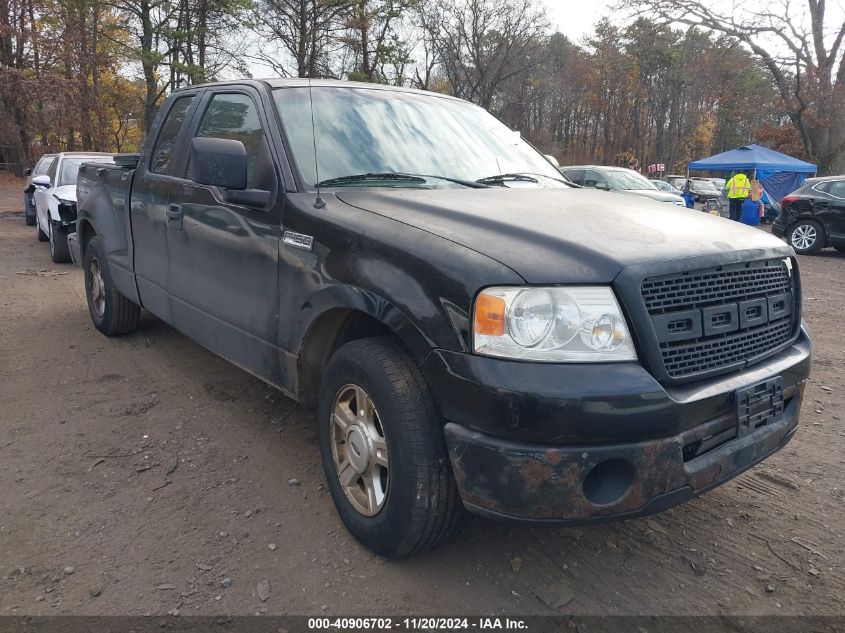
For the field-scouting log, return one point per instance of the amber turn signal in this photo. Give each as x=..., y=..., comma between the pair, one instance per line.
x=489, y=315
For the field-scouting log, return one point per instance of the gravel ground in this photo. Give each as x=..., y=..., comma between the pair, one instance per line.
x=145, y=475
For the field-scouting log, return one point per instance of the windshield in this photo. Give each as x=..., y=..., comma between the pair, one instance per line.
x=629, y=180
x=363, y=131
x=70, y=167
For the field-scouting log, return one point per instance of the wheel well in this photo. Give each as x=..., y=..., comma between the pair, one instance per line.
x=86, y=233
x=331, y=330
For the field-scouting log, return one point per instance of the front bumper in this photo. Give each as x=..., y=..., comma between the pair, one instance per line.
x=582, y=443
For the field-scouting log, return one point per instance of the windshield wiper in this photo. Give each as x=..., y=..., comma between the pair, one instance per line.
x=491, y=180
x=521, y=177
x=343, y=180
x=395, y=176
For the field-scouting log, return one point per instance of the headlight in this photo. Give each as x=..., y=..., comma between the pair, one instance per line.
x=555, y=324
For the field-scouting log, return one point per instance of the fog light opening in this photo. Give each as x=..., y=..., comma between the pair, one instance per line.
x=608, y=481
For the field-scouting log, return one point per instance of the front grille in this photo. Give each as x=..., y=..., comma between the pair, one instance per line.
x=715, y=318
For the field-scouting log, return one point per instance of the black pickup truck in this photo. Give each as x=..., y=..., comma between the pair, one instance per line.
x=474, y=331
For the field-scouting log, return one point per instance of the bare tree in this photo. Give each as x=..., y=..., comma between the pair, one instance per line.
x=801, y=49
x=306, y=30
x=372, y=38
x=481, y=44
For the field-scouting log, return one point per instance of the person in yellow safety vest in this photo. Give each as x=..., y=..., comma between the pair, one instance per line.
x=738, y=189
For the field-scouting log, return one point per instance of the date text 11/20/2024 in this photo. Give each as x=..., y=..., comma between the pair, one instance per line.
x=419, y=623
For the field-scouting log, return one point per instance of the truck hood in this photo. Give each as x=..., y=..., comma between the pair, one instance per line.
x=65, y=192
x=565, y=235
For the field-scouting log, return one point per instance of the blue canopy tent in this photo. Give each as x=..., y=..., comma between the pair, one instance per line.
x=778, y=173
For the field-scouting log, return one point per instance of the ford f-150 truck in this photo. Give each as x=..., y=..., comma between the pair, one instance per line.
x=474, y=331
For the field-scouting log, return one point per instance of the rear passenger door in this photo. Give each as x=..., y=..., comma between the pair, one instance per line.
x=148, y=205
x=836, y=191
x=224, y=257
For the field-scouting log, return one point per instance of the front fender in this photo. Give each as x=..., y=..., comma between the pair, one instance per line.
x=346, y=298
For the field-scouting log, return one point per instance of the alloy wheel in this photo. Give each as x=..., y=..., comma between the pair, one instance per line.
x=803, y=237
x=97, y=288
x=359, y=450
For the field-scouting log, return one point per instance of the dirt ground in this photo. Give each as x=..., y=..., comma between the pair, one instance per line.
x=143, y=474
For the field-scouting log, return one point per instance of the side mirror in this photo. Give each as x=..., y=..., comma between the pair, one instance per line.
x=218, y=162
x=552, y=160
x=42, y=180
x=27, y=171
x=602, y=186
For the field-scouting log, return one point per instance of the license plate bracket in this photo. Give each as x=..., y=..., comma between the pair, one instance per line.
x=758, y=405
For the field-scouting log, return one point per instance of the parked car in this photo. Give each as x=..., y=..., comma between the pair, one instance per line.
x=55, y=200
x=703, y=189
x=620, y=180
x=40, y=169
x=665, y=186
x=676, y=181
x=719, y=183
x=552, y=354
x=813, y=216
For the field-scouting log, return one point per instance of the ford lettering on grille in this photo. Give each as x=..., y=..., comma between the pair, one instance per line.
x=717, y=318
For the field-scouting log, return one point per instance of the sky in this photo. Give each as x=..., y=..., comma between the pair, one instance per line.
x=576, y=18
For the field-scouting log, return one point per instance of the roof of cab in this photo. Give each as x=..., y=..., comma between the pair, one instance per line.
x=316, y=83
x=82, y=154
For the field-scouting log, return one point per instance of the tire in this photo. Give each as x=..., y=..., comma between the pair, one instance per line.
x=29, y=216
x=806, y=237
x=420, y=507
x=112, y=313
x=41, y=235
x=59, y=250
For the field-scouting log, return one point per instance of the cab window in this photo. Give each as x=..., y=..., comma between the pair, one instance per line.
x=43, y=166
x=594, y=179
x=235, y=116
x=575, y=175
x=837, y=188
x=166, y=141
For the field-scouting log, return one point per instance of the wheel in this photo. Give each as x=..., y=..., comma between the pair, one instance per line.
x=41, y=235
x=806, y=237
x=383, y=450
x=59, y=250
x=28, y=210
x=112, y=313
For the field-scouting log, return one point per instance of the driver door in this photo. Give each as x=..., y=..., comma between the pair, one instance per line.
x=224, y=257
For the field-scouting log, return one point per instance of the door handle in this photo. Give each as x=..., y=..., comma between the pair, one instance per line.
x=174, y=216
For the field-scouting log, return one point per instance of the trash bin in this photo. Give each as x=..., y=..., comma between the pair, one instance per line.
x=689, y=198
x=751, y=212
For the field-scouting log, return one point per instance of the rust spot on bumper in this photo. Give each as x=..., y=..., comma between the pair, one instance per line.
x=535, y=482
